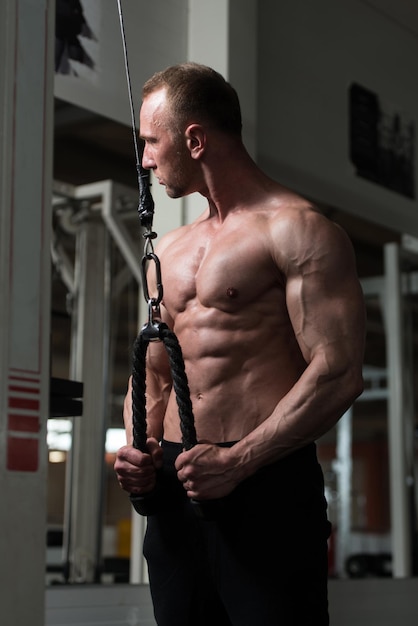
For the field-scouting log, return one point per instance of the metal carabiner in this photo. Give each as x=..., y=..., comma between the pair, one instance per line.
x=145, y=259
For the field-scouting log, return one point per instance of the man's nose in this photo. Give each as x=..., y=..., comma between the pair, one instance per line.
x=147, y=162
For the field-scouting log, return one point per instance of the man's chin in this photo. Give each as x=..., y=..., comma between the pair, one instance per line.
x=173, y=193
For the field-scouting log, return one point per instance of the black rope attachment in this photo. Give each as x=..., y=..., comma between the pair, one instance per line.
x=180, y=384
x=149, y=504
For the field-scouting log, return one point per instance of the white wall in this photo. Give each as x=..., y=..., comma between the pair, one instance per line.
x=309, y=54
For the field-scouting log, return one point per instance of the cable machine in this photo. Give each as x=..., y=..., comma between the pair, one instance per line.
x=393, y=291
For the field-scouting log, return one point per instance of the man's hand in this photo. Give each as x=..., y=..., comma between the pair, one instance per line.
x=136, y=470
x=206, y=472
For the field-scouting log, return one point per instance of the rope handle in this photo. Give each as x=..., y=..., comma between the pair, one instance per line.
x=151, y=503
x=180, y=384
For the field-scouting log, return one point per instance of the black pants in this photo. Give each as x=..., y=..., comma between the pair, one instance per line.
x=261, y=560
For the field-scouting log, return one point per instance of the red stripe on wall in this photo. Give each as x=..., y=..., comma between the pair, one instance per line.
x=24, y=423
x=22, y=454
x=24, y=403
x=24, y=389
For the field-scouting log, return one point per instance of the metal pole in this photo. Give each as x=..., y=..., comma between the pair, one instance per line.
x=90, y=367
x=400, y=517
x=343, y=468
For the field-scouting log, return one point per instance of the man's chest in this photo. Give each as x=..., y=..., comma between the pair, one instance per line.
x=228, y=271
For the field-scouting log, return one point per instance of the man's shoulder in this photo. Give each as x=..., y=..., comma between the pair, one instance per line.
x=291, y=210
x=297, y=226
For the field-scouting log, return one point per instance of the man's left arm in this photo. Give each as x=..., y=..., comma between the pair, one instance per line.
x=326, y=308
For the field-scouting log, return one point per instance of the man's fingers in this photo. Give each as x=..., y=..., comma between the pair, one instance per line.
x=133, y=456
x=156, y=452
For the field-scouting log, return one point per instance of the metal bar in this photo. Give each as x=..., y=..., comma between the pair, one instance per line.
x=400, y=519
x=89, y=364
x=108, y=192
x=343, y=468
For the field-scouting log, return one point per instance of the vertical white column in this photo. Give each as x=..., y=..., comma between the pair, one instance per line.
x=89, y=364
x=223, y=35
x=208, y=36
x=399, y=506
x=343, y=468
x=26, y=114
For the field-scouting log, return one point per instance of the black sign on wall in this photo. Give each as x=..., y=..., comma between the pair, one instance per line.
x=381, y=142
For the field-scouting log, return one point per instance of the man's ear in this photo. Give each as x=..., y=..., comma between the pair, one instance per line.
x=196, y=140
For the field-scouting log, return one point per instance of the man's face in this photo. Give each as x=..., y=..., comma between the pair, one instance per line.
x=165, y=152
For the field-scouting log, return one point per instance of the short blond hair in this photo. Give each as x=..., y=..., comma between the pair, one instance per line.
x=197, y=93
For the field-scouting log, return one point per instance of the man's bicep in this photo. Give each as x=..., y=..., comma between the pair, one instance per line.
x=326, y=308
